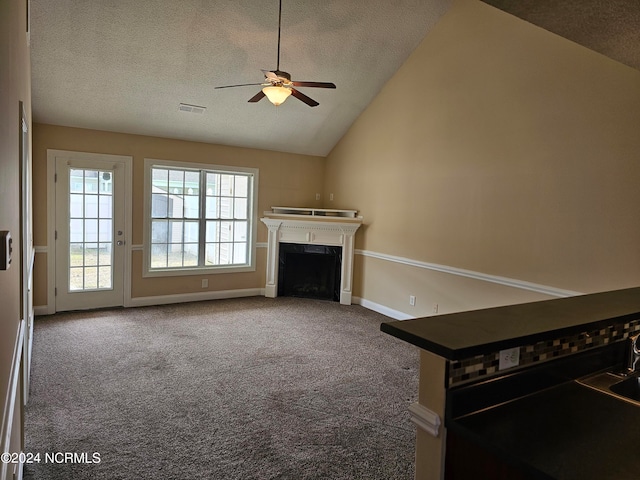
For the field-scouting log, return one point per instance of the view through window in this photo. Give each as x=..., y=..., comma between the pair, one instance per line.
x=90, y=229
x=199, y=218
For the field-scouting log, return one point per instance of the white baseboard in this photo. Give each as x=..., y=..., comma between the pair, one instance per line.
x=175, y=298
x=39, y=310
x=376, y=307
x=194, y=297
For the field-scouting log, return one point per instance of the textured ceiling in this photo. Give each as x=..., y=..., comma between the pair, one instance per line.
x=126, y=65
x=610, y=27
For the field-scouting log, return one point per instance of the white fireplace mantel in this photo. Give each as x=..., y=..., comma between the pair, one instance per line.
x=311, y=227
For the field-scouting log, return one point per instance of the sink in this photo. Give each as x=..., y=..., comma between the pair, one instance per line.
x=629, y=388
x=623, y=387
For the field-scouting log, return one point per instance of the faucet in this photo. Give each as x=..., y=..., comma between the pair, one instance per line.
x=634, y=354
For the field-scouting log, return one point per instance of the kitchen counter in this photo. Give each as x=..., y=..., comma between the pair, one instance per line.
x=569, y=432
x=462, y=335
x=534, y=420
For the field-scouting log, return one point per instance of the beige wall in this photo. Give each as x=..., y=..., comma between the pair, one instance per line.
x=498, y=148
x=15, y=86
x=284, y=179
x=389, y=284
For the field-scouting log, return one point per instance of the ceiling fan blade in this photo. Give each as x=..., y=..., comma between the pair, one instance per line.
x=314, y=84
x=240, y=85
x=302, y=97
x=257, y=97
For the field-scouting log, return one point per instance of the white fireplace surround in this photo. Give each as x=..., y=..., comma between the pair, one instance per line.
x=311, y=227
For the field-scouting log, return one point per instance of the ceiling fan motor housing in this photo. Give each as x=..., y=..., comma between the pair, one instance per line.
x=282, y=74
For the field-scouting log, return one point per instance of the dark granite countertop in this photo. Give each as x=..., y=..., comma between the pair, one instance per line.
x=460, y=335
x=569, y=432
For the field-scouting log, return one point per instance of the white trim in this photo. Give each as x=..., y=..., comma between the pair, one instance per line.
x=254, y=178
x=40, y=310
x=426, y=419
x=195, y=297
x=51, y=232
x=128, y=223
x=317, y=232
x=127, y=161
x=509, y=282
x=384, y=310
x=19, y=471
x=140, y=247
x=10, y=400
x=177, y=298
x=41, y=249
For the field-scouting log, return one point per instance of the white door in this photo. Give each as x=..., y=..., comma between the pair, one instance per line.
x=90, y=231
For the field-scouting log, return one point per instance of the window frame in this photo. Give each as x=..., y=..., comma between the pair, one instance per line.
x=252, y=217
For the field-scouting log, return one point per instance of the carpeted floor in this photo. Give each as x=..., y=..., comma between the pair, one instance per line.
x=250, y=388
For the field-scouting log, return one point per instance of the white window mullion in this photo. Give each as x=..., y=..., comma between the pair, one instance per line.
x=202, y=219
x=239, y=183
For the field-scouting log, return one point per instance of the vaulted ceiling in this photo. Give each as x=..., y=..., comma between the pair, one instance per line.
x=126, y=65
x=610, y=27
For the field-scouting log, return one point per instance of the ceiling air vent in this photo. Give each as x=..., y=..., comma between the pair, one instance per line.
x=185, y=107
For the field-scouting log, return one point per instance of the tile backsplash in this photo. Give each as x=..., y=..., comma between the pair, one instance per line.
x=473, y=368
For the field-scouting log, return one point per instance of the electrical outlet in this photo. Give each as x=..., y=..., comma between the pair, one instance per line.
x=205, y=283
x=331, y=197
x=435, y=308
x=412, y=300
x=509, y=358
x=317, y=196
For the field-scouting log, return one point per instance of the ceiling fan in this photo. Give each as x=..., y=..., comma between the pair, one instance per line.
x=277, y=85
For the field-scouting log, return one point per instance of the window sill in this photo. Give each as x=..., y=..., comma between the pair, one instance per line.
x=182, y=272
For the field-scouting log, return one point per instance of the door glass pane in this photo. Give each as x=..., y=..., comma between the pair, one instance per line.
x=91, y=255
x=91, y=206
x=90, y=222
x=76, y=203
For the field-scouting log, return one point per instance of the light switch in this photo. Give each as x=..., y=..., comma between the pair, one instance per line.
x=6, y=249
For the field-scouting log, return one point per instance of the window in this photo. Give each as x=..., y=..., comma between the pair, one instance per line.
x=199, y=217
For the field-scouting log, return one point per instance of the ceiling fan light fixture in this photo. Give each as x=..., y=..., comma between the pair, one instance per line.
x=276, y=95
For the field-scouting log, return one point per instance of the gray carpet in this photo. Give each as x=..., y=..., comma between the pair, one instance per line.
x=250, y=388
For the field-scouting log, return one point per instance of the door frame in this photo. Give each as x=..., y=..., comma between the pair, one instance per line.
x=27, y=251
x=51, y=219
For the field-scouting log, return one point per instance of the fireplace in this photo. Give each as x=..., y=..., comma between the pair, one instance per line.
x=318, y=245
x=310, y=271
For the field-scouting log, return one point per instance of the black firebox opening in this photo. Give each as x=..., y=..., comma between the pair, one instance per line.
x=310, y=271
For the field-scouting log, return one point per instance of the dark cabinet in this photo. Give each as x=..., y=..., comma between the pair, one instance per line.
x=467, y=460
